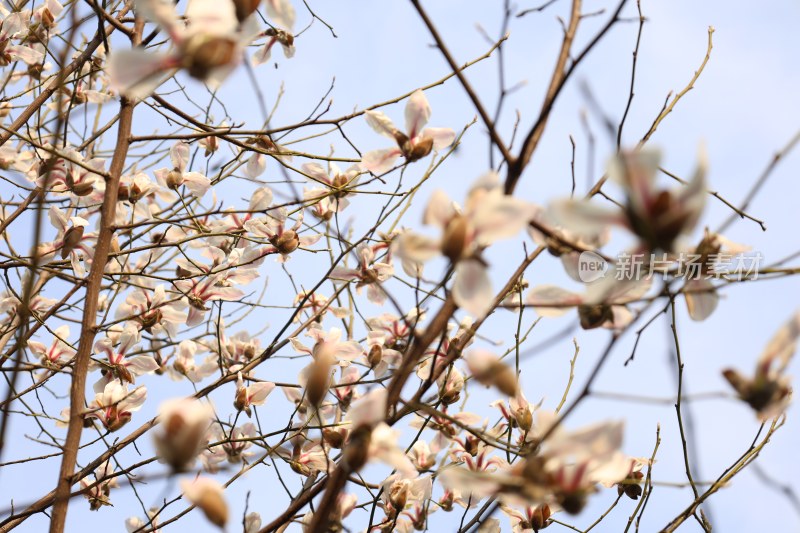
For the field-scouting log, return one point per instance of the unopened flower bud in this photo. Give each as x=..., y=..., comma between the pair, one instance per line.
x=240, y=401
x=573, y=502
x=446, y=501
x=287, y=242
x=333, y=437
x=357, y=450
x=207, y=495
x=375, y=355
x=123, y=193
x=490, y=371
x=211, y=144
x=204, y=53
x=420, y=149
x=594, y=316
x=82, y=189
x=319, y=378
x=184, y=423
x=46, y=18
x=449, y=396
x=454, y=242
x=398, y=496
x=631, y=487
x=72, y=237
x=174, y=179
x=245, y=8
x=524, y=419
x=540, y=517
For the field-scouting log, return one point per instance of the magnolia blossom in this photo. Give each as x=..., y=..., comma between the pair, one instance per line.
x=97, y=488
x=173, y=178
x=530, y=520
x=379, y=357
x=769, y=391
x=700, y=294
x=400, y=493
x=345, y=389
x=603, y=304
x=153, y=310
x=317, y=305
x=570, y=464
x=82, y=94
x=631, y=484
x=423, y=455
x=414, y=144
x=209, y=46
x=71, y=174
x=306, y=457
x=238, y=349
x=282, y=15
x=59, y=353
x=254, y=394
x=562, y=243
x=328, y=346
x=446, y=427
x=489, y=215
x=252, y=523
x=12, y=27
x=657, y=216
x=207, y=289
x=381, y=442
x=71, y=241
x=134, y=523
x=117, y=346
x=333, y=196
x=397, y=329
x=208, y=496
x=518, y=412
x=183, y=429
x=489, y=370
x=185, y=366
x=235, y=442
x=15, y=158
x=284, y=240
x=369, y=273
x=345, y=503
x=115, y=405
x=260, y=200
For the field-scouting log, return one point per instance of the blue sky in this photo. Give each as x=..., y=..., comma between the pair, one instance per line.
x=744, y=108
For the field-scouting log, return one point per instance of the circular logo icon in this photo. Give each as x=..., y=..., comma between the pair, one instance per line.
x=591, y=267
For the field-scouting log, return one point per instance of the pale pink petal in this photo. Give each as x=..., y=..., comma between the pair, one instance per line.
x=137, y=73
x=281, y=12
x=500, y=217
x=701, y=298
x=256, y=165
x=211, y=17
x=179, y=155
x=550, y=300
x=380, y=161
x=583, y=217
x=442, y=137
x=472, y=290
x=197, y=183
x=142, y=364
x=417, y=248
x=440, y=210
x=258, y=392
x=418, y=111
x=381, y=123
